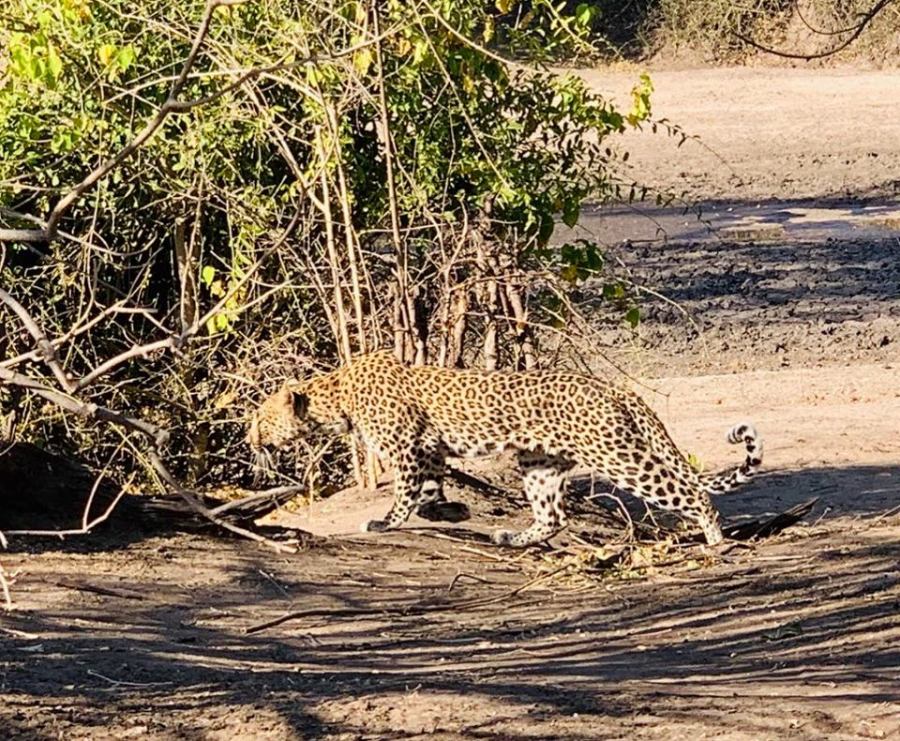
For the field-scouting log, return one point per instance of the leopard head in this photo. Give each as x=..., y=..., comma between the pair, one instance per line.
x=278, y=420
x=298, y=410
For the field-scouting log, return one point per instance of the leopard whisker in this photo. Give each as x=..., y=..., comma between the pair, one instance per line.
x=263, y=465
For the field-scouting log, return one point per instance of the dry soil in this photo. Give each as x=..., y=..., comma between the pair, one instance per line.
x=430, y=632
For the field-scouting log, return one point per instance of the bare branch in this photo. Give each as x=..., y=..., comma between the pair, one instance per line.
x=23, y=235
x=157, y=435
x=4, y=590
x=191, y=500
x=138, y=351
x=857, y=30
x=45, y=347
x=69, y=403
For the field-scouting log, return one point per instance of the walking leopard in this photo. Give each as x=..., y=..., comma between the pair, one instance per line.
x=416, y=417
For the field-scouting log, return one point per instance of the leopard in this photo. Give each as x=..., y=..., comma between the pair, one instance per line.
x=416, y=417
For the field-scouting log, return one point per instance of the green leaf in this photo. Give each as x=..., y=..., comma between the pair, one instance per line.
x=640, y=100
x=613, y=291
x=362, y=60
x=633, y=316
x=571, y=212
x=106, y=53
x=208, y=275
x=488, y=33
x=37, y=68
x=125, y=58
x=54, y=64
x=421, y=52
x=569, y=274
x=584, y=14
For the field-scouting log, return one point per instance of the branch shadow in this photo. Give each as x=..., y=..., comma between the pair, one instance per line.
x=178, y=661
x=823, y=281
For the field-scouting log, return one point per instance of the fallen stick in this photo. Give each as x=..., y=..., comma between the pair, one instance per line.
x=4, y=589
x=477, y=483
x=764, y=528
x=103, y=591
x=124, y=683
x=463, y=575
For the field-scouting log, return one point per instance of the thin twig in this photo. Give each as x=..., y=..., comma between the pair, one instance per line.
x=463, y=575
x=271, y=579
x=86, y=527
x=138, y=351
x=103, y=591
x=23, y=634
x=123, y=683
x=4, y=588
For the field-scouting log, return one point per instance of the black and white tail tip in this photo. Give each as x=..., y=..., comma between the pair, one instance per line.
x=742, y=433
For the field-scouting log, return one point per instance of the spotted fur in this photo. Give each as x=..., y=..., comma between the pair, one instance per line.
x=415, y=417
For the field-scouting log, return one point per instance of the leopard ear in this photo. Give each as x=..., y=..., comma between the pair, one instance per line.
x=300, y=403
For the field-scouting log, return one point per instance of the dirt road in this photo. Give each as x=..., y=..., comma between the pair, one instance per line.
x=433, y=633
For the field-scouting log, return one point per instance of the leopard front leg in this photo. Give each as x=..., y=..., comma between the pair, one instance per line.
x=407, y=489
x=418, y=487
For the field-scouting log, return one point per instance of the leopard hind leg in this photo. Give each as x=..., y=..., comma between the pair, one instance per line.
x=543, y=478
x=647, y=476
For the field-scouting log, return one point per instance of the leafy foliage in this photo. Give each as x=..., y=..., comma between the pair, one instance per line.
x=267, y=207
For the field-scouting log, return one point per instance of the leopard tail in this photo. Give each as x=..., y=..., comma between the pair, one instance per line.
x=723, y=482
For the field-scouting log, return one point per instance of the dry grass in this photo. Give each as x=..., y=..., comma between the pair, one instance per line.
x=713, y=28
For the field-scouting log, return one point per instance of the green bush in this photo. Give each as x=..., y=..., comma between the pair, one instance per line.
x=268, y=207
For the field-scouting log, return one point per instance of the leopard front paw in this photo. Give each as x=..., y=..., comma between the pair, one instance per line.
x=374, y=526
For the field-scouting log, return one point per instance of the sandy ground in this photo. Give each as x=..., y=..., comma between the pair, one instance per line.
x=430, y=632
x=764, y=133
